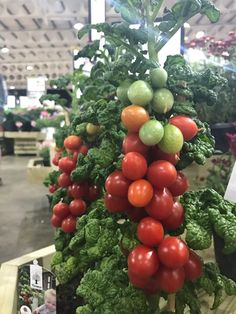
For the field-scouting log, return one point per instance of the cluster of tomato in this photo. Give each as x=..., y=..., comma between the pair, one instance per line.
x=147, y=189
x=64, y=215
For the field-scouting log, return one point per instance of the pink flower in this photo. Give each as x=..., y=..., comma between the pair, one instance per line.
x=33, y=124
x=18, y=124
x=44, y=114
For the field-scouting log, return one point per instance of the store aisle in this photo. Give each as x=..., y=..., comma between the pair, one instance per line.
x=24, y=214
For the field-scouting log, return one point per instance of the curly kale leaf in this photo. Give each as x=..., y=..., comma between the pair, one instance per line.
x=51, y=178
x=188, y=296
x=197, y=237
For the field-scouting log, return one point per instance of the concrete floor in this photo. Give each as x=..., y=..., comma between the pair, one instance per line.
x=24, y=214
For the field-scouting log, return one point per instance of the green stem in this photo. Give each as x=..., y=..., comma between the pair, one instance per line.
x=151, y=35
x=157, y=9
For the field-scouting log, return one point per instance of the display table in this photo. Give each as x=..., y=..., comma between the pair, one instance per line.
x=36, y=172
x=9, y=274
x=25, y=142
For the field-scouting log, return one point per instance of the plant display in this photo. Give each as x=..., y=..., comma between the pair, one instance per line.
x=118, y=198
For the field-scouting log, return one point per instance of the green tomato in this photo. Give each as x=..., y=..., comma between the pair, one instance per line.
x=158, y=77
x=121, y=91
x=151, y=132
x=92, y=128
x=163, y=100
x=140, y=93
x=172, y=140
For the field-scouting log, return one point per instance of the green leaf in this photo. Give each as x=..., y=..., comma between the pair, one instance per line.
x=197, y=237
x=210, y=11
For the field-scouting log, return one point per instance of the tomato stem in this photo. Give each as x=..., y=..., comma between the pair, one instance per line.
x=156, y=10
x=151, y=32
x=171, y=302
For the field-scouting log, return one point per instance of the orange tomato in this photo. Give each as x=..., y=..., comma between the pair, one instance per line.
x=140, y=193
x=133, y=117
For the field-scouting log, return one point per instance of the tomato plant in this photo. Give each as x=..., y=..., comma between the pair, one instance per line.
x=134, y=166
x=138, y=282
x=163, y=100
x=140, y=193
x=158, y=77
x=140, y=93
x=122, y=90
x=68, y=224
x=136, y=213
x=172, y=141
x=56, y=221
x=186, y=125
x=133, y=117
x=66, y=164
x=161, y=204
x=82, y=150
x=52, y=188
x=64, y=180
x=56, y=158
x=173, y=252
x=180, y=186
x=170, y=280
x=176, y=218
x=150, y=231
x=79, y=190
x=72, y=142
x=115, y=204
x=117, y=184
x=143, y=261
x=151, y=132
x=161, y=173
x=93, y=193
x=61, y=210
x=132, y=143
x=77, y=207
x=193, y=267
x=158, y=154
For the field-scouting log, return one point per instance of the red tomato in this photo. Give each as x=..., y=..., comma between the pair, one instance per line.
x=117, y=184
x=176, y=217
x=77, y=207
x=82, y=150
x=56, y=221
x=173, y=252
x=72, y=142
x=133, y=117
x=150, y=231
x=193, y=267
x=140, y=193
x=69, y=191
x=61, y=210
x=56, y=158
x=137, y=281
x=115, y=204
x=161, y=204
x=132, y=143
x=64, y=180
x=152, y=286
x=93, y=192
x=170, y=280
x=158, y=154
x=161, y=174
x=66, y=164
x=134, y=166
x=143, y=261
x=68, y=224
x=186, y=125
x=180, y=185
x=136, y=213
x=79, y=190
x=52, y=188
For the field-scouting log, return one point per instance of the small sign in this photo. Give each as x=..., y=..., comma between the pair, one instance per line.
x=36, y=276
x=230, y=193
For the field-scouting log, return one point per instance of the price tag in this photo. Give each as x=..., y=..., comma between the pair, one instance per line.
x=230, y=193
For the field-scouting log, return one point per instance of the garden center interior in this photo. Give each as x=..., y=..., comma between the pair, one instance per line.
x=49, y=73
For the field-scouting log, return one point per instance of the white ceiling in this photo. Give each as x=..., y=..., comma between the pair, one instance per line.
x=40, y=33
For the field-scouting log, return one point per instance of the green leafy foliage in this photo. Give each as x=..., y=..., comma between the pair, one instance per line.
x=206, y=212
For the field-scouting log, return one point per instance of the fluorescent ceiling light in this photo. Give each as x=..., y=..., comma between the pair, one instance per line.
x=186, y=25
x=29, y=67
x=12, y=87
x=200, y=34
x=4, y=50
x=78, y=26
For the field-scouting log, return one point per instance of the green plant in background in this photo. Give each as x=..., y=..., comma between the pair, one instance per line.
x=219, y=174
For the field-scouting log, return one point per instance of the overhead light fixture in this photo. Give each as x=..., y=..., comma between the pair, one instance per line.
x=200, y=34
x=186, y=25
x=29, y=67
x=78, y=26
x=5, y=50
x=12, y=87
x=185, y=38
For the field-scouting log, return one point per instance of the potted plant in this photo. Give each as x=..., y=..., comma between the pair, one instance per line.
x=109, y=185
